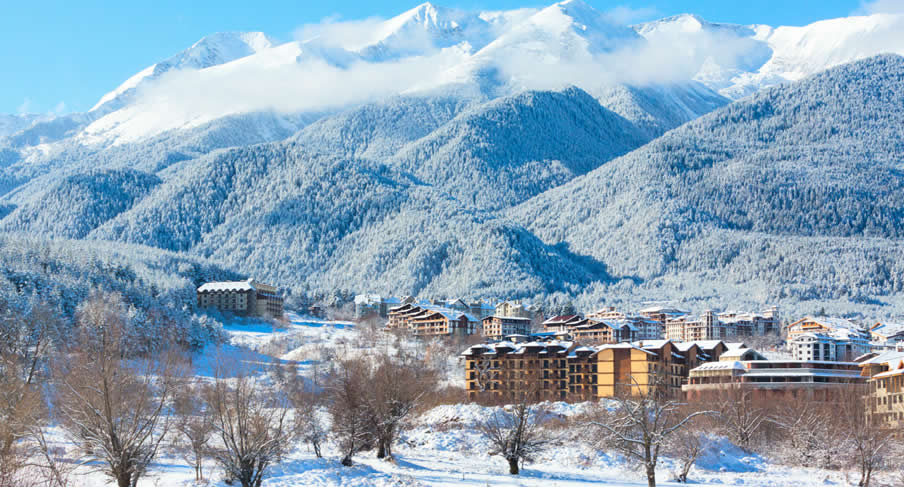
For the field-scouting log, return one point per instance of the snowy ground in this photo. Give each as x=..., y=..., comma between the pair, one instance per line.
x=442, y=447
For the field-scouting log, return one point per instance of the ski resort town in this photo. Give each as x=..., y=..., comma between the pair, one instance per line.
x=515, y=351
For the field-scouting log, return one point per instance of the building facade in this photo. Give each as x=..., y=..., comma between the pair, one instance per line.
x=246, y=298
x=556, y=370
x=884, y=374
x=443, y=323
x=789, y=379
x=498, y=327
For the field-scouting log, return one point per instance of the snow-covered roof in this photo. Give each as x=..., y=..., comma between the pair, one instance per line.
x=727, y=365
x=888, y=357
x=662, y=309
x=561, y=319
x=708, y=344
x=684, y=346
x=228, y=286
x=513, y=318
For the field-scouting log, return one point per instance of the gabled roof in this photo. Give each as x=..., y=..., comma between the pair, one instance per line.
x=709, y=344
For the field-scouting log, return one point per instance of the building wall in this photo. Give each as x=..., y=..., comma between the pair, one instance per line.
x=232, y=301
x=886, y=401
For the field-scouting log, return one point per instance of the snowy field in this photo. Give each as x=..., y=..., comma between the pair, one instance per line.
x=442, y=446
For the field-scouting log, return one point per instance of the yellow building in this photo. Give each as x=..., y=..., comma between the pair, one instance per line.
x=885, y=372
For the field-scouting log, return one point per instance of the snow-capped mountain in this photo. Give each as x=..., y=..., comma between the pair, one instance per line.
x=212, y=50
x=513, y=153
x=737, y=60
x=334, y=66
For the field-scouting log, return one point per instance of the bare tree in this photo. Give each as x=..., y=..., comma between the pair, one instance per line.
x=193, y=426
x=250, y=419
x=687, y=444
x=397, y=384
x=865, y=442
x=807, y=433
x=347, y=390
x=113, y=408
x=740, y=413
x=515, y=433
x=306, y=398
x=640, y=425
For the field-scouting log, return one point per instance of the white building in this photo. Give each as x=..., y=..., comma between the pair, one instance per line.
x=839, y=346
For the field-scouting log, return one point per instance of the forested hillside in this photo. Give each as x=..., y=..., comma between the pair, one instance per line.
x=773, y=199
x=158, y=286
x=798, y=186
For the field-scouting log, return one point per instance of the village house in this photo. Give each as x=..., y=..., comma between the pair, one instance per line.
x=246, y=298
x=884, y=373
x=498, y=327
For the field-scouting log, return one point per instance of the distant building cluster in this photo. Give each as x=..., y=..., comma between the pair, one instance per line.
x=245, y=298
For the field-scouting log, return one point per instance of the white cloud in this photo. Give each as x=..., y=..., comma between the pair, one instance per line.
x=60, y=108
x=624, y=14
x=25, y=107
x=882, y=7
x=319, y=72
x=348, y=34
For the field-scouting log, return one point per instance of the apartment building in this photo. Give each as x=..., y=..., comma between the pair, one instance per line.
x=443, y=322
x=561, y=323
x=246, y=298
x=721, y=326
x=507, y=372
x=884, y=373
x=563, y=369
x=792, y=379
x=498, y=327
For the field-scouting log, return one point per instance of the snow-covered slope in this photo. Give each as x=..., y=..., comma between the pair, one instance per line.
x=737, y=60
x=212, y=50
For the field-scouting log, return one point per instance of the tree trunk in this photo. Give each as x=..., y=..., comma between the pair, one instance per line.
x=316, y=445
x=685, y=469
x=124, y=479
x=651, y=476
x=513, y=466
x=381, y=450
x=347, y=460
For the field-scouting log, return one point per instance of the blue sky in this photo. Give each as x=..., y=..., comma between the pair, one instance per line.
x=62, y=55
